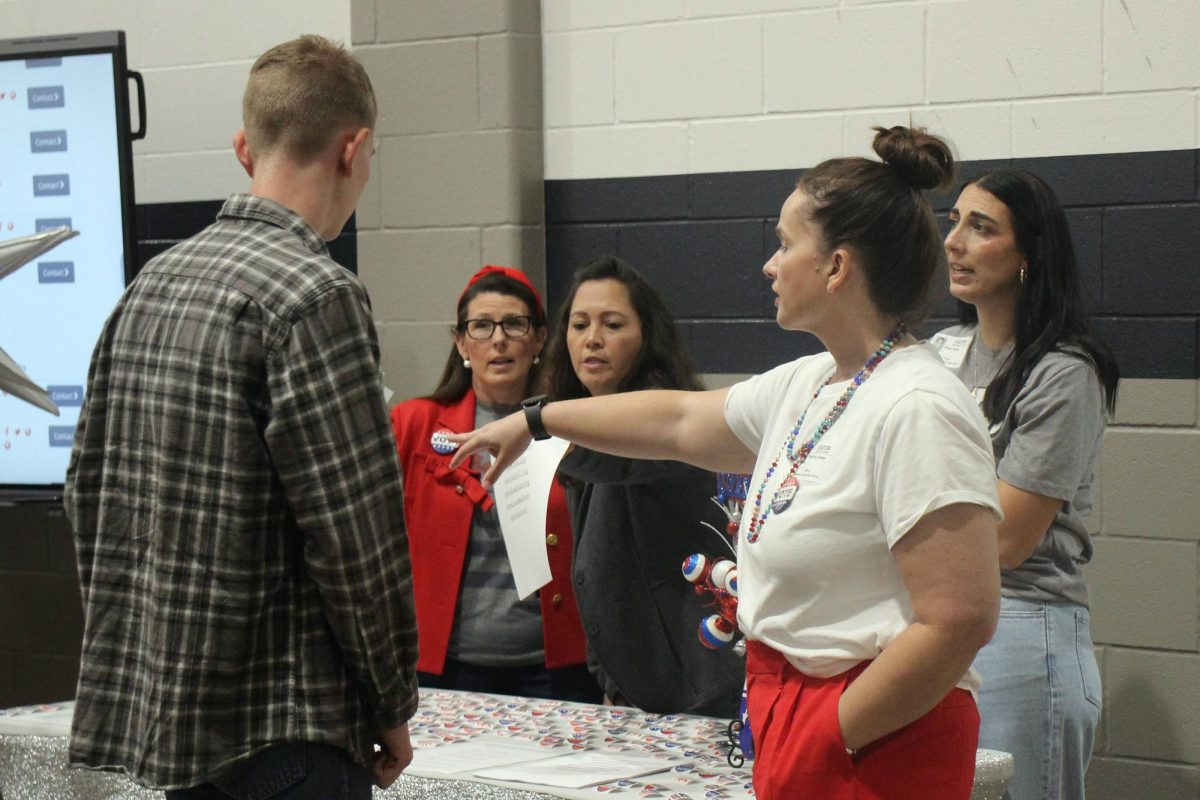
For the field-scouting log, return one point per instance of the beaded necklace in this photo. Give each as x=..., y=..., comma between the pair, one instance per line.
x=787, y=489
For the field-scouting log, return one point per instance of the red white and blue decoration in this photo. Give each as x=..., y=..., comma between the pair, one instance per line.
x=732, y=489
x=716, y=580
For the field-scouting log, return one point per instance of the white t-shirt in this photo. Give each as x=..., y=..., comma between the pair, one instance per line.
x=821, y=585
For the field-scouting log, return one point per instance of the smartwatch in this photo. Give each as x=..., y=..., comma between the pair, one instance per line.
x=533, y=416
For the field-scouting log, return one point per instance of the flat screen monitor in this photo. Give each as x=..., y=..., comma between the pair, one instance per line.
x=66, y=139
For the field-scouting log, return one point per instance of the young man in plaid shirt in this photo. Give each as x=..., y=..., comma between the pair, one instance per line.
x=234, y=489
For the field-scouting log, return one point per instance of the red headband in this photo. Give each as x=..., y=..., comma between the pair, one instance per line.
x=513, y=274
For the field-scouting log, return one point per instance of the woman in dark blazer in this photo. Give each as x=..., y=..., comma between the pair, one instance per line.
x=636, y=520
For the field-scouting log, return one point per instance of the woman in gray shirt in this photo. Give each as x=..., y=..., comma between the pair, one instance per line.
x=1044, y=382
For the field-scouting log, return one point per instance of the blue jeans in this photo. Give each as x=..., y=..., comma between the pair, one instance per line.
x=1040, y=699
x=292, y=771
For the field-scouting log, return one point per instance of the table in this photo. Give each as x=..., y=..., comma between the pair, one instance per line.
x=33, y=751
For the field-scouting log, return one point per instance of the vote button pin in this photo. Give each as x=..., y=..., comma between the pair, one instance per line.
x=441, y=442
x=785, y=495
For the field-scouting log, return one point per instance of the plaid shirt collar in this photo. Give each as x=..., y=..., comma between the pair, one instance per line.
x=256, y=208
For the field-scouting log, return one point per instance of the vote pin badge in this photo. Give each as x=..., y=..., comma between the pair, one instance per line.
x=441, y=442
x=785, y=495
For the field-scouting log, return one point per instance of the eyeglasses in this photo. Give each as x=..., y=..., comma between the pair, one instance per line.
x=482, y=329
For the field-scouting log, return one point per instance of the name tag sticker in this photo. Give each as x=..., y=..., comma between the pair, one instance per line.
x=951, y=349
x=813, y=469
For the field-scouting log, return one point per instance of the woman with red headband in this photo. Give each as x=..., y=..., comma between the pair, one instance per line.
x=474, y=633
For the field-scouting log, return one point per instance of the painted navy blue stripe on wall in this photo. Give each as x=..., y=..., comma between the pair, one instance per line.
x=702, y=240
x=160, y=226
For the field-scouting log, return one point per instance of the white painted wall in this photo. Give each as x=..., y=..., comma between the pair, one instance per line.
x=194, y=56
x=647, y=87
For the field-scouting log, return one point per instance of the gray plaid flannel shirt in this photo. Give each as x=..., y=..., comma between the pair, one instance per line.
x=236, y=502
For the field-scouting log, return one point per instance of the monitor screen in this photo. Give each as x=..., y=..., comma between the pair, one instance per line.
x=64, y=132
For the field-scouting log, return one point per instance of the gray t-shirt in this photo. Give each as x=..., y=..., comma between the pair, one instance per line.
x=492, y=626
x=1048, y=442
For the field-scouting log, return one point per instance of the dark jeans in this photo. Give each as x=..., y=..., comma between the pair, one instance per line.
x=565, y=683
x=292, y=771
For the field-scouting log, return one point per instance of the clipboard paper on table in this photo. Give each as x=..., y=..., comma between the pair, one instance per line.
x=578, y=770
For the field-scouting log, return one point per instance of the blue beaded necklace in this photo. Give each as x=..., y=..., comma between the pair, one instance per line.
x=787, y=489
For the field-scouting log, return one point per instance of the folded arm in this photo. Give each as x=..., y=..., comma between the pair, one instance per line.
x=1027, y=517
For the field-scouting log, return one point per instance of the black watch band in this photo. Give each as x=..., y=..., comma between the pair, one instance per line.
x=533, y=416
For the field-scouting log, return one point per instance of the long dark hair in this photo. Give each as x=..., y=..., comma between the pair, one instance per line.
x=1050, y=313
x=456, y=379
x=878, y=208
x=662, y=362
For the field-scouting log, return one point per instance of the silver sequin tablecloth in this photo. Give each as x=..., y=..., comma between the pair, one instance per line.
x=33, y=765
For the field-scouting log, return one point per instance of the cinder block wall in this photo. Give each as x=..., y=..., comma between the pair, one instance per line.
x=665, y=118
x=195, y=56
x=457, y=182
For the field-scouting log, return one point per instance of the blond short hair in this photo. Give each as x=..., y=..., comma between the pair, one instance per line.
x=303, y=93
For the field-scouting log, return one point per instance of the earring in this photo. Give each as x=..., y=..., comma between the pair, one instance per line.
x=537, y=359
x=467, y=363
x=1022, y=274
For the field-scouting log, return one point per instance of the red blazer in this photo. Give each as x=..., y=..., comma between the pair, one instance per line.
x=438, y=506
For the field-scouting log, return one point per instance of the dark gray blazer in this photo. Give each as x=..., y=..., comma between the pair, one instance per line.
x=635, y=521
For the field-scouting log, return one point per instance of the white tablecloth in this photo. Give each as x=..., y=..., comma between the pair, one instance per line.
x=33, y=751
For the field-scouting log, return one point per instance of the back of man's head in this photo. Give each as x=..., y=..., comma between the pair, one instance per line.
x=302, y=94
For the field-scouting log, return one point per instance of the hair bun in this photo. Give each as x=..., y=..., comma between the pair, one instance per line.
x=922, y=160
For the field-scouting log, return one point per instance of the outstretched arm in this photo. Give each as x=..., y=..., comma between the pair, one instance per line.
x=660, y=424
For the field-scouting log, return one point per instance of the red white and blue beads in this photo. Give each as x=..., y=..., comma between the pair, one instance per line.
x=789, y=487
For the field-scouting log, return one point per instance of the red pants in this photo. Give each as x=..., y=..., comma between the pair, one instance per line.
x=799, y=753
